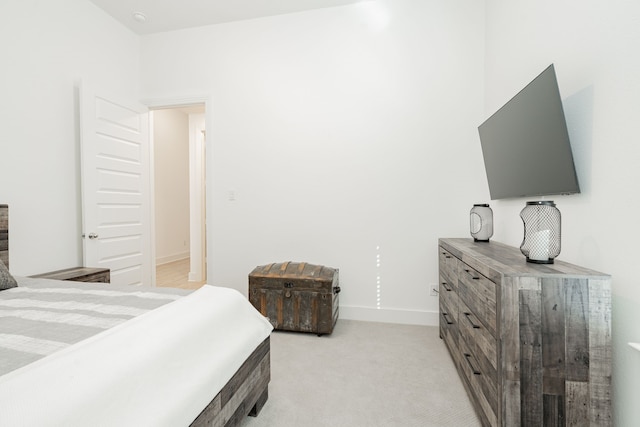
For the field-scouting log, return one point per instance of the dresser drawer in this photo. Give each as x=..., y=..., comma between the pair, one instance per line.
x=448, y=265
x=449, y=297
x=449, y=324
x=479, y=294
x=481, y=382
x=479, y=340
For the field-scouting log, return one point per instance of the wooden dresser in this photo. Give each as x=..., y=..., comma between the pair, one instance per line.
x=531, y=342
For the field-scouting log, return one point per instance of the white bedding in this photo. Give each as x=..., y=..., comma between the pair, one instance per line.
x=158, y=369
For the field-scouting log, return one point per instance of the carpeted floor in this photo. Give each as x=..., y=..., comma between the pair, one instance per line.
x=364, y=374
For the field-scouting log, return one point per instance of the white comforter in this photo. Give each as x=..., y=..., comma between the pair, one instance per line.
x=158, y=369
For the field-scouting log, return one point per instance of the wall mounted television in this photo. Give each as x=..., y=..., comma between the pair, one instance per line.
x=525, y=144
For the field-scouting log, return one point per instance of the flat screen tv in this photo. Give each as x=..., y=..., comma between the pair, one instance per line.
x=525, y=144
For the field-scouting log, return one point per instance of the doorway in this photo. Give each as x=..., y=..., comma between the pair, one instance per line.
x=179, y=176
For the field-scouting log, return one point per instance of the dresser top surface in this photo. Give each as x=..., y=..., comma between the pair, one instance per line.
x=508, y=260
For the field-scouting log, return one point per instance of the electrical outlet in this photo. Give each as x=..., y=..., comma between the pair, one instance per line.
x=433, y=290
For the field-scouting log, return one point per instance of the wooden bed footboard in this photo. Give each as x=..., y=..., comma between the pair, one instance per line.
x=244, y=394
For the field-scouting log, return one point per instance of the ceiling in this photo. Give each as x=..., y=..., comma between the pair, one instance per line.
x=179, y=14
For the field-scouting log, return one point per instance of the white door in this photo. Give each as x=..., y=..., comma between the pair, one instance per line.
x=115, y=187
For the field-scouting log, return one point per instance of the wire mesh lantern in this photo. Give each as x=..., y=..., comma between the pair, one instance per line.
x=541, y=243
x=481, y=218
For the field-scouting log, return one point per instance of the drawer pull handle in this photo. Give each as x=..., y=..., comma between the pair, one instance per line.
x=288, y=284
x=446, y=287
x=446, y=255
x=446, y=318
x=473, y=276
x=475, y=370
x=474, y=325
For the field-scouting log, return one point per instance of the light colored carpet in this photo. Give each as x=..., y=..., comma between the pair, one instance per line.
x=364, y=374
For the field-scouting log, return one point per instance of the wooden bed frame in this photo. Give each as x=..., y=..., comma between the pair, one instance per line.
x=4, y=235
x=244, y=394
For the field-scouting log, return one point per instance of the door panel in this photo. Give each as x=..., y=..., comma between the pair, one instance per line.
x=115, y=187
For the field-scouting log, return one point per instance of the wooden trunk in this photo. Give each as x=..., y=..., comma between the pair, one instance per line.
x=296, y=296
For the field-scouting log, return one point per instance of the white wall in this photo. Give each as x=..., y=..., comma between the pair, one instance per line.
x=341, y=130
x=594, y=47
x=171, y=182
x=46, y=48
x=344, y=133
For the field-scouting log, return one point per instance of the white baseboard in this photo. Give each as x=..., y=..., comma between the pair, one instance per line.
x=172, y=258
x=386, y=315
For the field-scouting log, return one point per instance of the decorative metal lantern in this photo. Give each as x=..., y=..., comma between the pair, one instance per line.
x=481, y=218
x=541, y=243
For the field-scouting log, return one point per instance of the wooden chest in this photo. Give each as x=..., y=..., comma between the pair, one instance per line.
x=296, y=296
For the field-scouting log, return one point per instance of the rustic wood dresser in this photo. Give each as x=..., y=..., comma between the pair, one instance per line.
x=296, y=296
x=531, y=342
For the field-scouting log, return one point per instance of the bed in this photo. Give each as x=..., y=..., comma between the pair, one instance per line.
x=75, y=353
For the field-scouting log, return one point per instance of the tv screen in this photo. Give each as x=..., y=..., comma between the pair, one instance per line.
x=525, y=144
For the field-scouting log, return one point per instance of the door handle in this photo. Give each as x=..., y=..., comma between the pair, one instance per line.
x=93, y=236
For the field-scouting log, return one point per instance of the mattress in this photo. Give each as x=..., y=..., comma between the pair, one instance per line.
x=42, y=316
x=110, y=356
